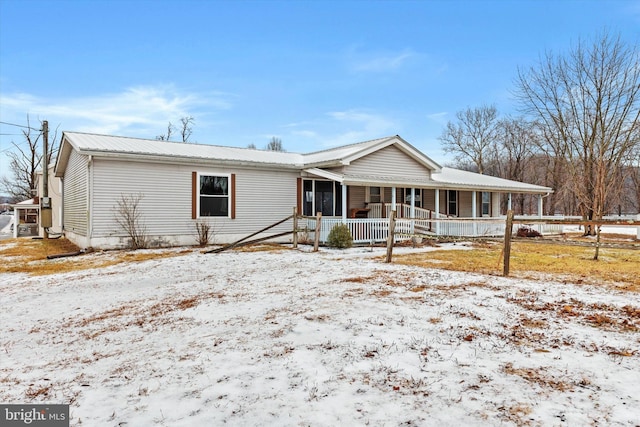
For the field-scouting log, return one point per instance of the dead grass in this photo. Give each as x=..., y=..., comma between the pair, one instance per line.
x=30, y=256
x=617, y=267
x=538, y=376
x=262, y=247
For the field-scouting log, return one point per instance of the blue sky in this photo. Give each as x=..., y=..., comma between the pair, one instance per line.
x=314, y=73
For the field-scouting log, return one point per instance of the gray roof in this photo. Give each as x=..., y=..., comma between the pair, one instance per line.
x=167, y=151
x=120, y=146
x=456, y=178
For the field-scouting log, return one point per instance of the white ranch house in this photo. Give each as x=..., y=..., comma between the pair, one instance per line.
x=240, y=191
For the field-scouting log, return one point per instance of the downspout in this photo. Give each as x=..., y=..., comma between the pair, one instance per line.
x=62, y=205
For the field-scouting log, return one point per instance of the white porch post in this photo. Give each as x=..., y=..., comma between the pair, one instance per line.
x=393, y=199
x=344, y=203
x=473, y=211
x=539, y=205
x=509, y=201
x=437, y=209
x=413, y=202
x=473, y=204
x=413, y=208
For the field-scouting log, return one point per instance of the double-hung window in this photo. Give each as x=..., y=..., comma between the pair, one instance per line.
x=486, y=203
x=213, y=196
x=374, y=195
x=452, y=202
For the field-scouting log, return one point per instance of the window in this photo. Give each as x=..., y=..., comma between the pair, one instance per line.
x=321, y=196
x=307, y=201
x=486, y=203
x=452, y=202
x=374, y=195
x=214, y=196
x=418, y=197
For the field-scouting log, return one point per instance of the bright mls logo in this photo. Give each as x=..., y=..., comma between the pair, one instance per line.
x=34, y=415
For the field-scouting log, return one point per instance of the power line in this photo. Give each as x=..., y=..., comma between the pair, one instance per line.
x=20, y=126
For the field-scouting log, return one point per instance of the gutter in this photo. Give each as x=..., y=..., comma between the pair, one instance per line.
x=172, y=159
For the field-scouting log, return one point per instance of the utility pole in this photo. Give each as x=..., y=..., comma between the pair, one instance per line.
x=45, y=202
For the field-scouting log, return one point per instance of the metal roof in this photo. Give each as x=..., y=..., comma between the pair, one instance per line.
x=474, y=181
x=86, y=143
x=167, y=151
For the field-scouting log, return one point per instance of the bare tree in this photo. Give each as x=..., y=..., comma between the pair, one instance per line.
x=186, y=128
x=252, y=146
x=167, y=136
x=275, y=145
x=515, y=149
x=633, y=181
x=25, y=160
x=128, y=214
x=588, y=101
x=473, y=136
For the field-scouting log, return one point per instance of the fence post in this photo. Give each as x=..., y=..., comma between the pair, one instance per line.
x=390, y=237
x=316, y=240
x=507, y=243
x=295, y=227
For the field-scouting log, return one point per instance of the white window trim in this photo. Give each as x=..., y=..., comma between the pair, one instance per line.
x=229, y=195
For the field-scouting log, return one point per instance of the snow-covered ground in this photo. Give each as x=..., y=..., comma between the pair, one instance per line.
x=293, y=338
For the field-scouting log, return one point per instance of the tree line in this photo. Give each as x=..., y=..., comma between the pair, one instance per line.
x=578, y=131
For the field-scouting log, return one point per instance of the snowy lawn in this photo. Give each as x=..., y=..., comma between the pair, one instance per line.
x=293, y=338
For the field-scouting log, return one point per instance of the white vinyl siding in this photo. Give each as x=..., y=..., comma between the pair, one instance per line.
x=465, y=204
x=389, y=161
x=261, y=197
x=356, y=198
x=429, y=199
x=75, y=202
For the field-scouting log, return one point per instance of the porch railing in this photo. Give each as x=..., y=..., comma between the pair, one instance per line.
x=383, y=210
x=375, y=230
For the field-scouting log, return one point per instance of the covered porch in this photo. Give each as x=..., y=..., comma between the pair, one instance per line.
x=422, y=208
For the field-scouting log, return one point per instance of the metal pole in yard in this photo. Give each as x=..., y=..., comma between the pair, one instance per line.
x=44, y=203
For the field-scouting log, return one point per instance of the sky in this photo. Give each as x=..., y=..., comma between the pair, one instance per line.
x=315, y=74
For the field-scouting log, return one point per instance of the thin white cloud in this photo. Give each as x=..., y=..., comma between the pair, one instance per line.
x=440, y=118
x=306, y=134
x=337, y=128
x=360, y=125
x=137, y=111
x=378, y=61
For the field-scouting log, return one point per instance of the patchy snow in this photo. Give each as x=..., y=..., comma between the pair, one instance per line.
x=626, y=229
x=330, y=338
